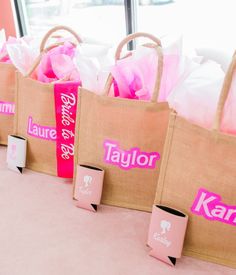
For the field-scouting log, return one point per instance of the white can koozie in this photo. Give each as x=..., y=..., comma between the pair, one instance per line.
x=16, y=153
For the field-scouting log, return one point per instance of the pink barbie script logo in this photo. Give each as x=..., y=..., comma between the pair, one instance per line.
x=209, y=206
x=7, y=108
x=132, y=158
x=65, y=95
x=66, y=124
x=39, y=131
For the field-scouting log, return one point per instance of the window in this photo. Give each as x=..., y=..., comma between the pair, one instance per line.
x=205, y=23
x=102, y=20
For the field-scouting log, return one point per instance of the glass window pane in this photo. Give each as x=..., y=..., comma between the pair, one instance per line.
x=102, y=20
x=205, y=23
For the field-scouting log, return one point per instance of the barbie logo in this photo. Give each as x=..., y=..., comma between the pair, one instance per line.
x=160, y=237
x=87, y=180
x=87, y=183
x=165, y=226
x=127, y=159
x=13, y=151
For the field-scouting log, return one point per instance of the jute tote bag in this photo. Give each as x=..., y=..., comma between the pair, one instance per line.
x=198, y=175
x=7, y=98
x=35, y=108
x=125, y=138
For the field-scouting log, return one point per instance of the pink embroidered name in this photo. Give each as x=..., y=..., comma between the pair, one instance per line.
x=209, y=205
x=43, y=132
x=7, y=108
x=129, y=159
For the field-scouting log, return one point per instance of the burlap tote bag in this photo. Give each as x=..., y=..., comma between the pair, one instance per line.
x=7, y=98
x=35, y=108
x=124, y=137
x=198, y=174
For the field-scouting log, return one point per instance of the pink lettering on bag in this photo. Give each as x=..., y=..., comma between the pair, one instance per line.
x=209, y=206
x=126, y=160
x=7, y=108
x=65, y=105
x=39, y=131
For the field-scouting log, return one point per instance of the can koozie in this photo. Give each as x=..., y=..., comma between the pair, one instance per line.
x=88, y=186
x=166, y=233
x=16, y=153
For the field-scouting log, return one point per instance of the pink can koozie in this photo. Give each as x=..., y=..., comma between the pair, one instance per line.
x=166, y=233
x=88, y=187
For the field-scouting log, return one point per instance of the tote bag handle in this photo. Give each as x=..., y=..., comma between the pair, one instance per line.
x=156, y=45
x=224, y=94
x=55, y=29
x=44, y=50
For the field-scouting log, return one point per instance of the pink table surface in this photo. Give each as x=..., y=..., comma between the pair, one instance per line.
x=43, y=233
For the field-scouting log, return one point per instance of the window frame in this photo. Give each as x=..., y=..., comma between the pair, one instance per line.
x=130, y=7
